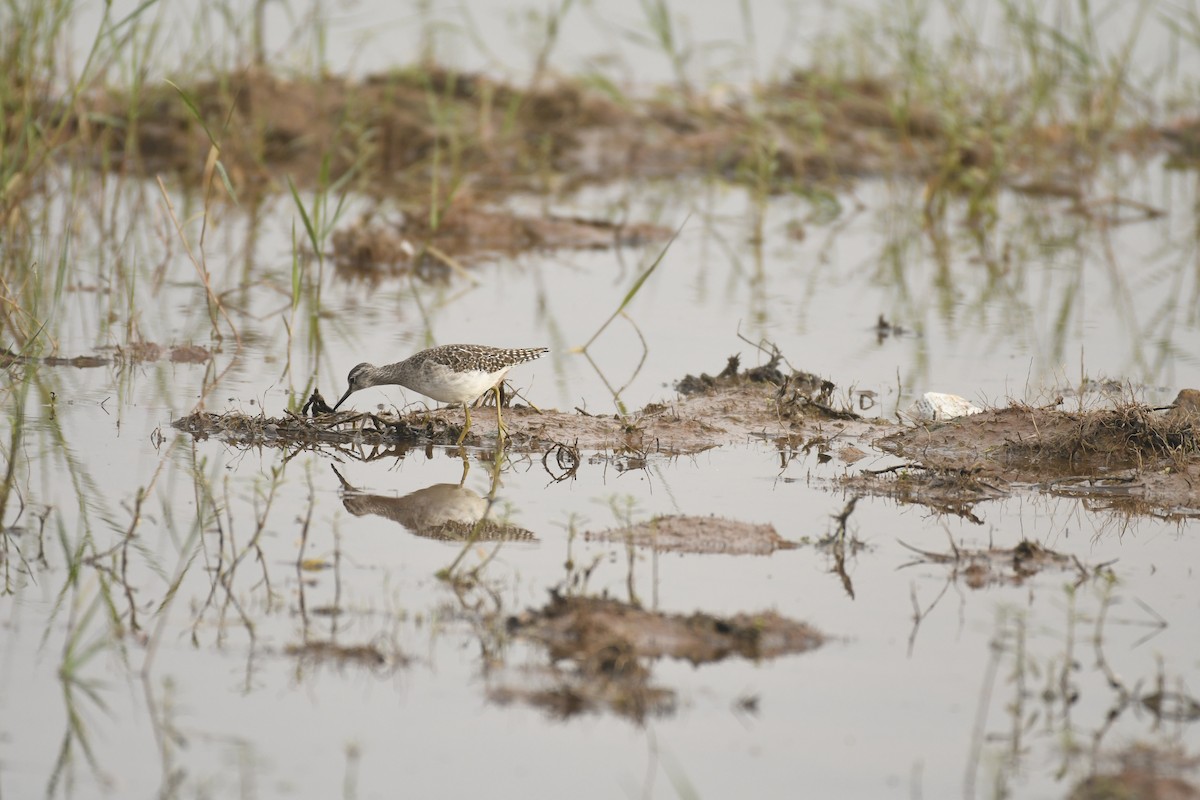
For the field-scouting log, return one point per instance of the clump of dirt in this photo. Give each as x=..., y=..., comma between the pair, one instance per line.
x=794, y=385
x=1145, y=772
x=688, y=534
x=1130, y=456
x=141, y=352
x=385, y=128
x=610, y=644
x=589, y=631
x=1036, y=443
x=732, y=374
x=1099, y=441
x=466, y=234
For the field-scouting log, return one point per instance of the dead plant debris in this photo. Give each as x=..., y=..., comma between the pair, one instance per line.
x=1003, y=565
x=806, y=384
x=291, y=430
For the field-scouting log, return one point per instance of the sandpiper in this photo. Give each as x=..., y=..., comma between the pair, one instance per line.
x=452, y=373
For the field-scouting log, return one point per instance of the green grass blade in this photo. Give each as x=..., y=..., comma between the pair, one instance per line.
x=637, y=285
x=193, y=110
x=308, y=226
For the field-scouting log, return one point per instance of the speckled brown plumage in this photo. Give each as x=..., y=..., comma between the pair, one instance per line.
x=452, y=373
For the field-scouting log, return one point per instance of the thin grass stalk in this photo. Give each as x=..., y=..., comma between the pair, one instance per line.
x=635, y=288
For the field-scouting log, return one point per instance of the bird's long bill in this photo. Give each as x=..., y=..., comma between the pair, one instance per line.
x=349, y=392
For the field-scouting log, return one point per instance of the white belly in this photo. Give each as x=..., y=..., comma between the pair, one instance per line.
x=447, y=386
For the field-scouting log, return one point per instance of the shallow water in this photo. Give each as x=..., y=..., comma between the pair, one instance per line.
x=982, y=663
x=162, y=622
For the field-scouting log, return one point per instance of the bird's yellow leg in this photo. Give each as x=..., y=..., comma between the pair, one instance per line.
x=466, y=465
x=502, y=432
x=466, y=427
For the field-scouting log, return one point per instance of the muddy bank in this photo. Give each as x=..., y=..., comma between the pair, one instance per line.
x=687, y=425
x=733, y=408
x=392, y=130
x=1142, y=771
x=1132, y=458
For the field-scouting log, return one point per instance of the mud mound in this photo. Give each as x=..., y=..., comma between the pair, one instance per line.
x=688, y=534
x=724, y=414
x=586, y=629
x=1133, y=458
x=465, y=235
x=1028, y=443
x=609, y=647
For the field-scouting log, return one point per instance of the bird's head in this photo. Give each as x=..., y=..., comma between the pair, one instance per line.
x=359, y=378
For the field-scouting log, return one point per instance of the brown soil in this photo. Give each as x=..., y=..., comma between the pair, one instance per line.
x=1132, y=458
x=467, y=234
x=1144, y=772
x=684, y=534
x=426, y=134
x=736, y=411
x=609, y=647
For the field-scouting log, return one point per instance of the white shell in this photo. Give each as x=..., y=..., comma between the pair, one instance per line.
x=935, y=406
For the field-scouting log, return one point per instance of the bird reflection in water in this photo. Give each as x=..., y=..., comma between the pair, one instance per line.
x=445, y=511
